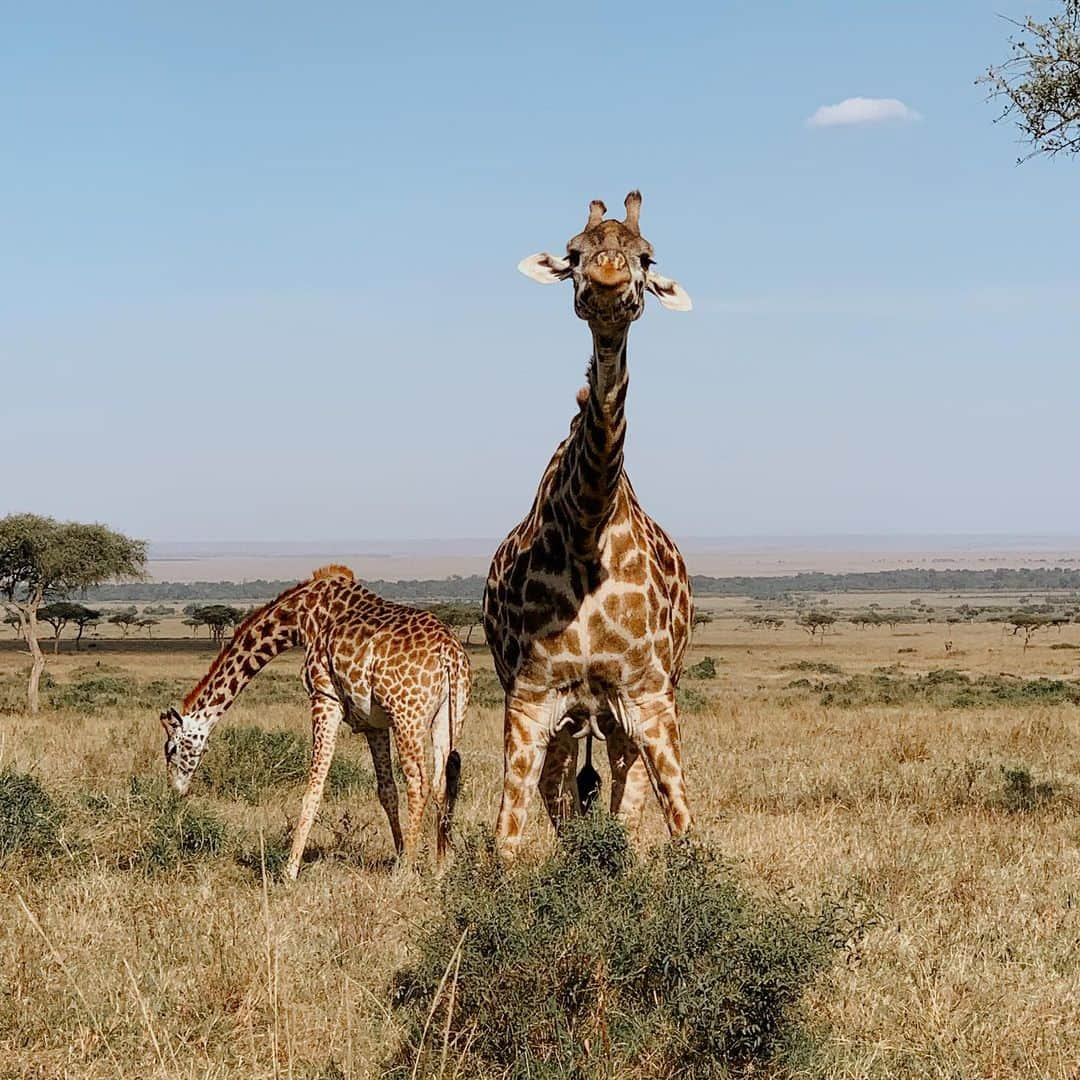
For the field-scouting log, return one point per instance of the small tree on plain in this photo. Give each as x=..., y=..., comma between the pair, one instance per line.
x=43, y=559
x=125, y=621
x=816, y=623
x=147, y=623
x=84, y=618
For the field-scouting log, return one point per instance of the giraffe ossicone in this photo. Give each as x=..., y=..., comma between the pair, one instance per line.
x=388, y=670
x=587, y=605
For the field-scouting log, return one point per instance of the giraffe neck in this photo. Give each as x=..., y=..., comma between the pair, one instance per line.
x=593, y=462
x=258, y=639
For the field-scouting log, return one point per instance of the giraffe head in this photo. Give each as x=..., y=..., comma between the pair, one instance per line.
x=185, y=743
x=610, y=264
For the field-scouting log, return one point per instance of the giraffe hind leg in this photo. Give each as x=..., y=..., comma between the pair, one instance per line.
x=378, y=740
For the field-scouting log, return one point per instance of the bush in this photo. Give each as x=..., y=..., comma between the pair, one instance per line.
x=29, y=818
x=818, y=666
x=97, y=687
x=1021, y=793
x=180, y=832
x=703, y=669
x=271, y=852
x=690, y=700
x=245, y=762
x=595, y=963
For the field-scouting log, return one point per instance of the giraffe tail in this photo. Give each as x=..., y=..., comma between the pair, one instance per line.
x=452, y=767
x=588, y=780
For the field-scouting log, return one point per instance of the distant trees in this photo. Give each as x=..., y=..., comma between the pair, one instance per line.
x=62, y=612
x=1040, y=82
x=457, y=615
x=764, y=622
x=42, y=559
x=218, y=617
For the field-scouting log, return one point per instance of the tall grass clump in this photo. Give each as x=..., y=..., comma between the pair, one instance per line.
x=245, y=762
x=29, y=817
x=176, y=833
x=597, y=963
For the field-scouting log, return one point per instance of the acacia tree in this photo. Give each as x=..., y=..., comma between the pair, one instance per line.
x=816, y=623
x=1040, y=82
x=42, y=559
x=60, y=613
x=82, y=619
x=125, y=621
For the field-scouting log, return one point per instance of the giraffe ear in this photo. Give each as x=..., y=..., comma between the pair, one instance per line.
x=670, y=293
x=545, y=268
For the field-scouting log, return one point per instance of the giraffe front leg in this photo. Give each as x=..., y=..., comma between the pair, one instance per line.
x=408, y=738
x=557, y=780
x=657, y=726
x=326, y=714
x=378, y=740
x=525, y=741
x=629, y=779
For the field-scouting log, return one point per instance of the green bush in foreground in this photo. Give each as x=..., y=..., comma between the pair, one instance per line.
x=177, y=832
x=595, y=963
x=245, y=762
x=29, y=818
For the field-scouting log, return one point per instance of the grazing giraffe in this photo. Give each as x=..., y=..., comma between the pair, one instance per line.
x=587, y=607
x=381, y=667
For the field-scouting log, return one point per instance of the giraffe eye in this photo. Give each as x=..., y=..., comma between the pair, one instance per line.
x=647, y=261
x=573, y=256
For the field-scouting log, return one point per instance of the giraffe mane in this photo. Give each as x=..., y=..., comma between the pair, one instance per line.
x=333, y=570
x=193, y=695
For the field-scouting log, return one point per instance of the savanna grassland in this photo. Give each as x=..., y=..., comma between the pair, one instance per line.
x=938, y=793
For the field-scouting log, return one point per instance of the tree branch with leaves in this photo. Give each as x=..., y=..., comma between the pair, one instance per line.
x=1039, y=84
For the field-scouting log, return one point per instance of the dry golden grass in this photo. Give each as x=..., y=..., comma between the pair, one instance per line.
x=971, y=970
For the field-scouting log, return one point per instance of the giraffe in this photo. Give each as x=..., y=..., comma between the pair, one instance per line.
x=587, y=605
x=383, y=668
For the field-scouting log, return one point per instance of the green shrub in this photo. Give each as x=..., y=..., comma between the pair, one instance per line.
x=595, y=963
x=703, y=669
x=1020, y=793
x=245, y=762
x=820, y=667
x=29, y=818
x=94, y=688
x=271, y=852
x=690, y=700
x=179, y=832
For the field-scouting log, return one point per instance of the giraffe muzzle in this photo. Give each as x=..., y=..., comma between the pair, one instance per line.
x=608, y=269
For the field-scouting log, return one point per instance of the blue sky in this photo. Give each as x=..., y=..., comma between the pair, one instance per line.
x=257, y=273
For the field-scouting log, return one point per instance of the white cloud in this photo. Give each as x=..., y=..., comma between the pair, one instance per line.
x=862, y=110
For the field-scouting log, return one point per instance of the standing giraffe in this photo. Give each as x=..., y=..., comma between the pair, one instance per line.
x=587, y=607
x=380, y=667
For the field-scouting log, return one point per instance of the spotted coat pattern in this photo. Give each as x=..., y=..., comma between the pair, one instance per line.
x=387, y=670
